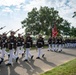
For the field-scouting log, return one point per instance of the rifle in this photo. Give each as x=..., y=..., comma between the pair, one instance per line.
x=2, y=27
x=22, y=33
x=9, y=31
x=17, y=30
x=5, y=32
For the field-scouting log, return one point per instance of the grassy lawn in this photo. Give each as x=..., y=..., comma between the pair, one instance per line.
x=68, y=68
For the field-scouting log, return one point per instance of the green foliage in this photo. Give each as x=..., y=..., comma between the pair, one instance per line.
x=65, y=69
x=66, y=28
x=73, y=32
x=42, y=21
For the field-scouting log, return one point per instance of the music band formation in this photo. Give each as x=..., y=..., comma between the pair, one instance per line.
x=20, y=45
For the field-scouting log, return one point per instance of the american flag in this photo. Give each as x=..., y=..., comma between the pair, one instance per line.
x=54, y=31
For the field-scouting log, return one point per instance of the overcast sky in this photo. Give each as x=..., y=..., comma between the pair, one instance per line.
x=12, y=12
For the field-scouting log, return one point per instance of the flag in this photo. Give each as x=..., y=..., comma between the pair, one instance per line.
x=54, y=31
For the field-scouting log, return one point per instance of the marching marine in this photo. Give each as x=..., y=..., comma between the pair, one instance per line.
x=12, y=47
x=28, y=44
x=39, y=45
x=3, y=46
x=50, y=43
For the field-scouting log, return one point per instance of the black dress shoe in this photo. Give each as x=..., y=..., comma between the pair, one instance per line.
x=60, y=51
x=24, y=51
x=32, y=57
x=22, y=54
x=8, y=55
x=55, y=50
x=51, y=50
x=43, y=55
x=38, y=58
x=1, y=60
x=17, y=59
x=9, y=64
x=25, y=60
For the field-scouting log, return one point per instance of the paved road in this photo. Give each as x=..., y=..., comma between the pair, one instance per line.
x=37, y=66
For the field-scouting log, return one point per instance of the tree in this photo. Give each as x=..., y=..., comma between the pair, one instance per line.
x=29, y=23
x=43, y=20
x=65, y=27
x=73, y=32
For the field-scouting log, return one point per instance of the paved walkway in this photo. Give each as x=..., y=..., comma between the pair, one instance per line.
x=37, y=66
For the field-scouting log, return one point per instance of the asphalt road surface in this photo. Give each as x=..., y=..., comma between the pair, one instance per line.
x=37, y=66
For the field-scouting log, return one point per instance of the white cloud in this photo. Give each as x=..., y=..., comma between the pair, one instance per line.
x=8, y=10
x=11, y=2
x=65, y=10
x=72, y=3
x=8, y=3
x=13, y=23
x=34, y=3
x=65, y=7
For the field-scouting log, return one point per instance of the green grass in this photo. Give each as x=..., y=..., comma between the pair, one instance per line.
x=68, y=68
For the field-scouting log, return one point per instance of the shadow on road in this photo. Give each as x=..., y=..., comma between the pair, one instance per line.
x=67, y=53
x=3, y=69
x=47, y=62
x=31, y=68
